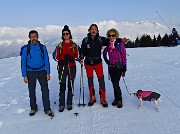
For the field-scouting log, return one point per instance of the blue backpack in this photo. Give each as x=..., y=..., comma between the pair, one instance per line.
x=29, y=47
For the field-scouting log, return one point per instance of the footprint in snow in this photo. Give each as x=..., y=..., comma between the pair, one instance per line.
x=20, y=111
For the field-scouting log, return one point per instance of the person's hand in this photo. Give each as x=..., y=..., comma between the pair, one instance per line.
x=81, y=62
x=48, y=77
x=125, y=41
x=68, y=57
x=107, y=61
x=25, y=80
x=123, y=74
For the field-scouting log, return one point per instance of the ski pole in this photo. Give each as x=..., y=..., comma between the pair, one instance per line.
x=82, y=84
x=72, y=87
x=126, y=86
x=108, y=74
x=60, y=78
x=80, y=92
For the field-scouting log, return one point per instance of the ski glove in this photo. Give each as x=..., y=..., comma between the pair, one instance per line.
x=68, y=57
x=62, y=62
x=123, y=74
x=107, y=61
x=124, y=69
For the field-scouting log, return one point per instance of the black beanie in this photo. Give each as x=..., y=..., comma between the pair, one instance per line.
x=66, y=28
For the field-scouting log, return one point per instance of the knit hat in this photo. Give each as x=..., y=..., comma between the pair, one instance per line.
x=66, y=28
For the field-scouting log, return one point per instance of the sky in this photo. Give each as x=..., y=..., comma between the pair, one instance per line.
x=18, y=17
x=39, y=13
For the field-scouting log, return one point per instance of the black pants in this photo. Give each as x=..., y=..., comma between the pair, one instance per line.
x=41, y=77
x=65, y=71
x=115, y=75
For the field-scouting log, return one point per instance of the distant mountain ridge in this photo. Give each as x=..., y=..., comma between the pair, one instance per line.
x=11, y=39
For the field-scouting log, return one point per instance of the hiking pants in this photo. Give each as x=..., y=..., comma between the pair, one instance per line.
x=99, y=72
x=41, y=77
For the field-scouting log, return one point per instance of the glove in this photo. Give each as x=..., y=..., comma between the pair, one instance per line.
x=107, y=61
x=68, y=57
x=123, y=74
x=62, y=62
x=124, y=69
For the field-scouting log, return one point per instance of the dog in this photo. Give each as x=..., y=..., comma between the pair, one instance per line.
x=148, y=96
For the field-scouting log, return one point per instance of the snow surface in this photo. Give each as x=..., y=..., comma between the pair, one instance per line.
x=156, y=69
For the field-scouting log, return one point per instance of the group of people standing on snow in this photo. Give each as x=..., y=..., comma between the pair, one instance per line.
x=35, y=66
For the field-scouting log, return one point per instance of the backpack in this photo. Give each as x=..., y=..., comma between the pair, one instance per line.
x=99, y=38
x=28, y=49
x=73, y=46
x=119, y=48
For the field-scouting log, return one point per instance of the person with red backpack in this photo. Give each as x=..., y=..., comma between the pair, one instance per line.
x=65, y=54
x=91, y=50
x=116, y=63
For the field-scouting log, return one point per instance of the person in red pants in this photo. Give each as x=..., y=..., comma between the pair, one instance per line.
x=91, y=50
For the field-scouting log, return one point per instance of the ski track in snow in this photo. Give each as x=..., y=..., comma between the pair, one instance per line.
x=154, y=69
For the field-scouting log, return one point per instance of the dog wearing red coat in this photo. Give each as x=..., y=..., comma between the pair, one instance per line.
x=148, y=96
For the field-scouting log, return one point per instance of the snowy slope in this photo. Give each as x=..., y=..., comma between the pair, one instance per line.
x=154, y=69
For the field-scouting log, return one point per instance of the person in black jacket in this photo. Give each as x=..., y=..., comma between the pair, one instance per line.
x=91, y=50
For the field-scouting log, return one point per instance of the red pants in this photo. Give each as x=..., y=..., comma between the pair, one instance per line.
x=99, y=72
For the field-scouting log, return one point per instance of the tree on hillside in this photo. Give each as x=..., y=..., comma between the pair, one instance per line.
x=154, y=41
x=137, y=42
x=146, y=41
x=158, y=41
x=166, y=40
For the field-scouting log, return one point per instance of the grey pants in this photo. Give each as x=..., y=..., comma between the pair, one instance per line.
x=41, y=77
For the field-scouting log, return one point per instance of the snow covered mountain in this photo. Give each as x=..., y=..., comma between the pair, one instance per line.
x=50, y=35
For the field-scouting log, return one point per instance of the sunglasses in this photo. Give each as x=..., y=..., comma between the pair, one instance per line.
x=65, y=34
x=112, y=35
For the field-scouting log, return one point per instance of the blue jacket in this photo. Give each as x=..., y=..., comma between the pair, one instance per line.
x=34, y=59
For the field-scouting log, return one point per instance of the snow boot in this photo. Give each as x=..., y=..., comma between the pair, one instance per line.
x=61, y=108
x=114, y=103
x=69, y=107
x=33, y=112
x=119, y=104
x=49, y=113
x=104, y=102
x=92, y=100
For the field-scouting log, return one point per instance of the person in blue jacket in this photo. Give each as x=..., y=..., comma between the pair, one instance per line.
x=35, y=66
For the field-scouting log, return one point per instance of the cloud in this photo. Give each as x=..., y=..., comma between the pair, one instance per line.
x=49, y=32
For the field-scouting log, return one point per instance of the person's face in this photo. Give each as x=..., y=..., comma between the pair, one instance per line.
x=93, y=31
x=66, y=35
x=112, y=36
x=34, y=38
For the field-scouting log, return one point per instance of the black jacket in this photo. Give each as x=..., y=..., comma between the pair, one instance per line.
x=91, y=49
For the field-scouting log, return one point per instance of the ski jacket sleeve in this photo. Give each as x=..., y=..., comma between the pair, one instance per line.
x=24, y=61
x=123, y=53
x=104, y=41
x=105, y=54
x=83, y=49
x=76, y=51
x=54, y=54
x=46, y=60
